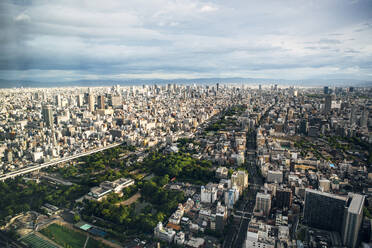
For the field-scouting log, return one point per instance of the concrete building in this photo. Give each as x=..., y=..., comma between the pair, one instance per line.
x=179, y=239
x=231, y=196
x=283, y=198
x=165, y=234
x=274, y=176
x=263, y=203
x=324, y=185
x=353, y=220
x=116, y=101
x=240, y=179
x=364, y=118
x=327, y=104
x=208, y=194
x=222, y=172
x=47, y=113
x=221, y=216
x=324, y=210
x=80, y=100
x=91, y=102
x=101, y=102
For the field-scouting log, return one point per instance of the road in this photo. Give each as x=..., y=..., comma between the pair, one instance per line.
x=237, y=232
x=51, y=163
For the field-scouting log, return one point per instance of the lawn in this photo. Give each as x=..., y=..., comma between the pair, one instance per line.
x=69, y=238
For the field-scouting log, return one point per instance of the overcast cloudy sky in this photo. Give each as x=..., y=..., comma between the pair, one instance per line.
x=111, y=39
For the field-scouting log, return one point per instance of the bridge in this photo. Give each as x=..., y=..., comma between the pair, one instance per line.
x=32, y=168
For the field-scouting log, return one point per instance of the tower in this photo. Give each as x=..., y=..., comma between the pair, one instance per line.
x=101, y=102
x=58, y=100
x=79, y=100
x=327, y=104
x=364, y=118
x=353, y=219
x=324, y=210
x=91, y=102
x=47, y=113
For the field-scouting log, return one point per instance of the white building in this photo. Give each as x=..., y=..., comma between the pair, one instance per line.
x=36, y=156
x=179, y=239
x=240, y=179
x=165, y=234
x=208, y=195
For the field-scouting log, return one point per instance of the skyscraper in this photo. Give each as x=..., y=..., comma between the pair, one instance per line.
x=326, y=90
x=328, y=104
x=79, y=100
x=352, y=115
x=324, y=210
x=101, y=102
x=364, y=118
x=91, y=102
x=58, y=100
x=353, y=220
x=47, y=113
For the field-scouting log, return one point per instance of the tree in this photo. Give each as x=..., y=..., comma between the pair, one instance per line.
x=76, y=218
x=164, y=180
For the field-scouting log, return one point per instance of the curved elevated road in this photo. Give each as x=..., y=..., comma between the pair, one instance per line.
x=51, y=163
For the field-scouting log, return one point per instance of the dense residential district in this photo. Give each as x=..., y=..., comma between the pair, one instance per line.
x=186, y=166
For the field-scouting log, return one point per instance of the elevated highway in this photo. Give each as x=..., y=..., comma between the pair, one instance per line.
x=32, y=168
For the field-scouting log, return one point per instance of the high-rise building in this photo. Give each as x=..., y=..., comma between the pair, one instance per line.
x=304, y=126
x=47, y=113
x=324, y=210
x=326, y=90
x=101, y=102
x=352, y=115
x=283, y=198
x=231, y=196
x=328, y=103
x=263, y=203
x=80, y=100
x=353, y=220
x=240, y=179
x=58, y=101
x=221, y=216
x=91, y=102
x=9, y=156
x=364, y=118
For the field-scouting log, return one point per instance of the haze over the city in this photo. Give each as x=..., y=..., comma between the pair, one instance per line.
x=62, y=41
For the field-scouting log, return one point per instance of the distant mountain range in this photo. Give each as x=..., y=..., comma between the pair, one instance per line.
x=252, y=81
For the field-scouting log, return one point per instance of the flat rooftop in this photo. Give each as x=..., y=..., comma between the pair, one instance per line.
x=344, y=198
x=356, y=204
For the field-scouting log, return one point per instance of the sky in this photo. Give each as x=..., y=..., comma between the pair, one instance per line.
x=68, y=40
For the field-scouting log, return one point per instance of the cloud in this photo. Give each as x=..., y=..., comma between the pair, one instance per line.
x=67, y=39
x=329, y=41
x=208, y=8
x=23, y=17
